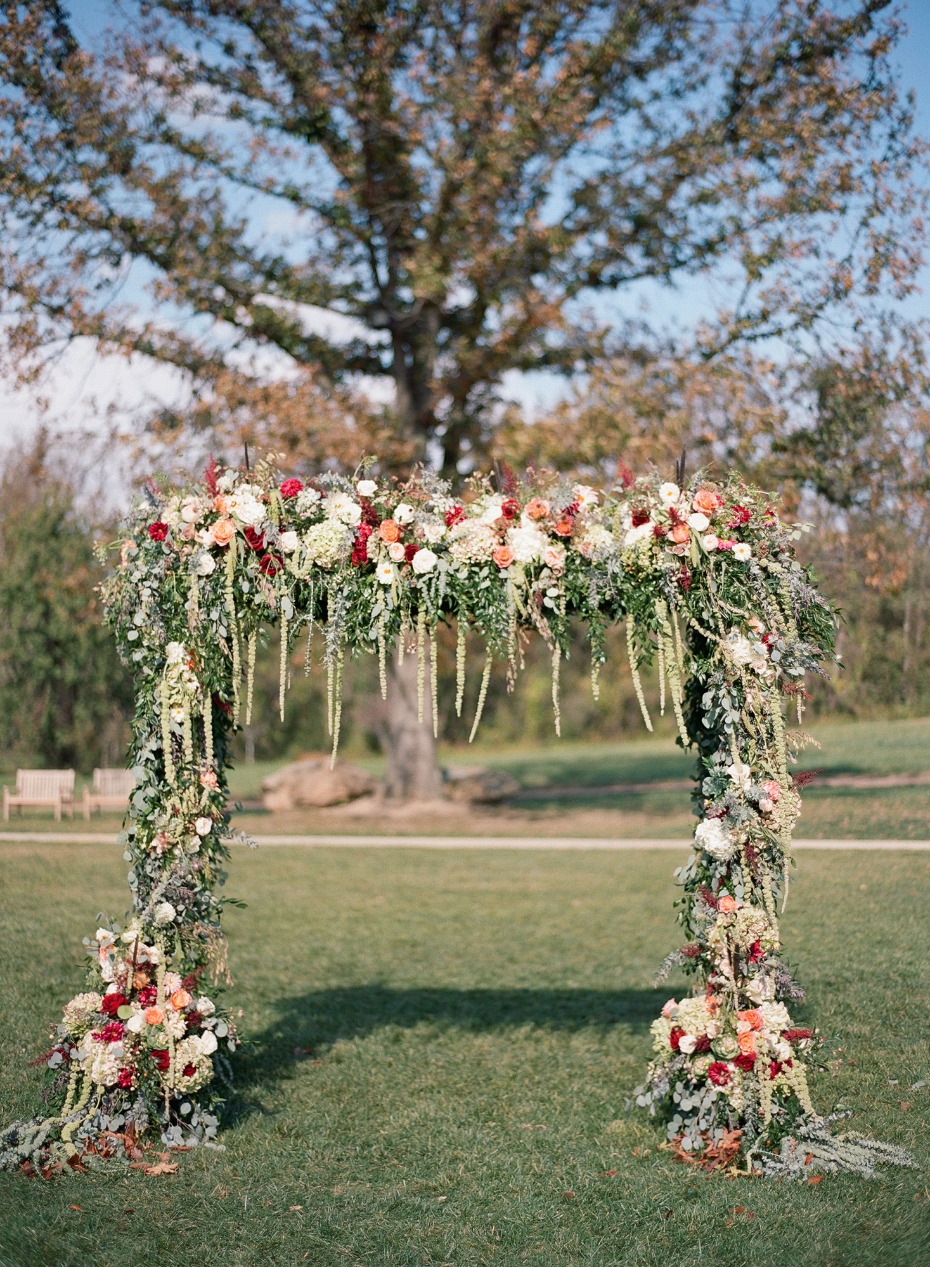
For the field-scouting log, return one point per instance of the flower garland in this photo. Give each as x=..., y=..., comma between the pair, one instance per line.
x=707, y=582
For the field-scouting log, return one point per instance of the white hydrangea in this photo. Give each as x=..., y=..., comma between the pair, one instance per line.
x=473, y=542
x=693, y=1015
x=306, y=501
x=102, y=1062
x=325, y=543
x=78, y=1011
x=715, y=839
x=639, y=534
x=527, y=542
x=345, y=509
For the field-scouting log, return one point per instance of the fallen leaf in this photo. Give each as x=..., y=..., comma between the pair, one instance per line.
x=640, y=1151
x=295, y=1207
x=156, y=1168
x=815, y=1179
x=667, y=1214
x=905, y=1105
x=608, y=1174
x=74, y=1207
x=568, y=1196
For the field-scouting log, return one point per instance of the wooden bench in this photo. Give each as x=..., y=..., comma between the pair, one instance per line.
x=111, y=790
x=41, y=788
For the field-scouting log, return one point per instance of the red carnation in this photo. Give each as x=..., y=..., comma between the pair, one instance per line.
x=675, y=1037
x=741, y=515
x=454, y=516
x=255, y=539
x=124, y=1079
x=158, y=530
x=360, y=548
x=640, y=517
x=719, y=1074
x=756, y=953
x=290, y=488
x=189, y=1070
x=510, y=508
x=112, y=1032
x=745, y=1062
x=797, y=1035
x=270, y=564
x=147, y=995
x=409, y=551
x=112, y=1003
x=162, y=1060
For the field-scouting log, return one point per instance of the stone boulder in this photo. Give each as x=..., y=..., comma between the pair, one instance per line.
x=310, y=782
x=478, y=785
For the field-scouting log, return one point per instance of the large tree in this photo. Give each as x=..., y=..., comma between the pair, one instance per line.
x=474, y=184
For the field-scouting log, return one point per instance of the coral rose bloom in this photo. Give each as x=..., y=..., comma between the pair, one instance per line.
x=153, y=1015
x=727, y=904
x=565, y=527
x=223, y=531
x=503, y=556
x=753, y=1018
x=707, y=501
x=680, y=534
x=747, y=1043
x=221, y=504
x=180, y=1000
x=537, y=508
x=389, y=530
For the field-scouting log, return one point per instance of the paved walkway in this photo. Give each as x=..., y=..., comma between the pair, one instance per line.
x=461, y=842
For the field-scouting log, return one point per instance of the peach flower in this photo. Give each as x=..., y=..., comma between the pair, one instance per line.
x=565, y=527
x=680, y=534
x=503, y=556
x=221, y=504
x=537, y=508
x=753, y=1018
x=747, y=1043
x=707, y=501
x=389, y=530
x=154, y=1015
x=180, y=1000
x=727, y=904
x=223, y=531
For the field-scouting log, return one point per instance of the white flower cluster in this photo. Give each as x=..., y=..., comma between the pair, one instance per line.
x=716, y=840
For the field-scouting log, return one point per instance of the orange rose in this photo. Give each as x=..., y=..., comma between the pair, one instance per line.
x=727, y=904
x=753, y=1017
x=389, y=530
x=537, y=508
x=154, y=1015
x=221, y=504
x=180, y=1000
x=747, y=1043
x=707, y=501
x=503, y=556
x=223, y=531
x=565, y=527
x=712, y=1003
x=140, y=979
x=680, y=534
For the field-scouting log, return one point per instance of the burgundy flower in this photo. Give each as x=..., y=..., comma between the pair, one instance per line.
x=775, y=1067
x=255, y=539
x=719, y=1074
x=745, y=1062
x=112, y=1003
x=675, y=1037
x=741, y=515
x=409, y=551
x=640, y=516
x=124, y=1079
x=290, y=488
x=684, y=578
x=158, y=530
x=147, y=995
x=797, y=1035
x=112, y=1032
x=270, y=564
x=701, y=1044
x=193, y=1018
x=756, y=953
x=510, y=508
x=454, y=516
x=360, y=548
x=189, y=1070
x=162, y=1060
x=370, y=515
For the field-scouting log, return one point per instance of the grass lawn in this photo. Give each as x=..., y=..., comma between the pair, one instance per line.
x=475, y=1021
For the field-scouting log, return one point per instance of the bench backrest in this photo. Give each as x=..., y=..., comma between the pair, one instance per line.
x=46, y=785
x=114, y=783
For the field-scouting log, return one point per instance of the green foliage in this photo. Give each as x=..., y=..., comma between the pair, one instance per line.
x=64, y=696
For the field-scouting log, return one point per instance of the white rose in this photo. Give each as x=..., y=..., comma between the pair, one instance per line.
x=397, y=551
x=742, y=552
x=698, y=521
x=136, y=1023
x=642, y=532
x=669, y=493
x=205, y=1006
x=385, y=573
x=288, y=541
x=207, y=1042
x=493, y=511
x=203, y=826
x=403, y=514
x=248, y=510
x=687, y=1044
x=585, y=496
x=424, y=561
x=366, y=488
x=204, y=564
x=342, y=507
x=164, y=913
x=527, y=543
x=710, y=541
x=191, y=511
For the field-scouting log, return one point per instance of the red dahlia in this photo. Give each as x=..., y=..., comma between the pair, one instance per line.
x=290, y=488
x=158, y=530
x=719, y=1074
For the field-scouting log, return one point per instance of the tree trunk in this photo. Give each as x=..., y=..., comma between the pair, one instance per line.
x=412, y=767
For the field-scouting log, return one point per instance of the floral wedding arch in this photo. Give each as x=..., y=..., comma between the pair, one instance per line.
x=706, y=580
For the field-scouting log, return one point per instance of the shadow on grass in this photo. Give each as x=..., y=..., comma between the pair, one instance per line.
x=309, y=1023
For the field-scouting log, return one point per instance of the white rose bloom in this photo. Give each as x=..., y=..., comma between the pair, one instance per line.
x=207, y=1042
x=687, y=1044
x=204, y=564
x=288, y=542
x=585, y=496
x=397, y=551
x=205, y=1006
x=710, y=540
x=203, y=826
x=698, y=521
x=434, y=532
x=634, y=536
x=136, y=1023
x=527, y=543
x=385, y=573
x=204, y=537
x=711, y=836
x=669, y=493
x=191, y=511
x=226, y=481
x=742, y=552
x=164, y=913
x=403, y=514
x=342, y=507
x=424, y=561
x=492, y=512
x=247, y=509
x=740, y=774
x=366, y=488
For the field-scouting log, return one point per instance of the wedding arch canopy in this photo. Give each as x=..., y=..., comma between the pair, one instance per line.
x=706, y=580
